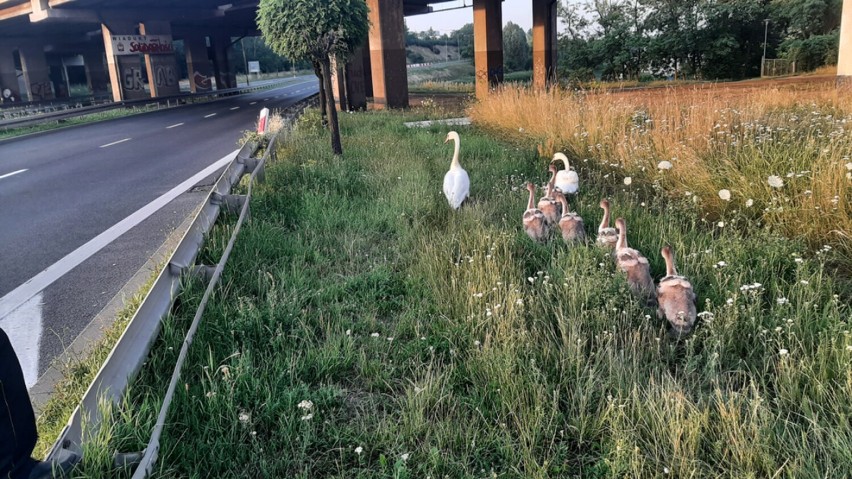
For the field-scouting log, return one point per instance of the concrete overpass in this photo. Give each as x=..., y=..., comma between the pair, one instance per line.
x=126, y=45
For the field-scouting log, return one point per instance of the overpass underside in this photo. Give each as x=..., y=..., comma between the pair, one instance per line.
x=127, y=52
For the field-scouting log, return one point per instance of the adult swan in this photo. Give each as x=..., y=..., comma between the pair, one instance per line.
x=456, y=181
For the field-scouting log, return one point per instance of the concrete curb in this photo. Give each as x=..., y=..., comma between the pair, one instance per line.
x=83, y=344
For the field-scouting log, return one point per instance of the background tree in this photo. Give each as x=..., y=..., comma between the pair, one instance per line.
x=464, y=38
x=516, y=51
x=316, y=30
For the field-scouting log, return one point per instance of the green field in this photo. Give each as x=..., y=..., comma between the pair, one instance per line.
x=363, y=329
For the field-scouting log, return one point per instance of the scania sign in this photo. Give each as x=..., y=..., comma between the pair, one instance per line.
x=142, y=44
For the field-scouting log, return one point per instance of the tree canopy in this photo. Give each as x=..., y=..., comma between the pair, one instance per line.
x=320, y=31
x=713, y=39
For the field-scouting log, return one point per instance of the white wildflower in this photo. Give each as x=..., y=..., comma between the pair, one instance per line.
x=476, y=343
x=374, y=335
x=349, y=332
x=849, y=166
x=359, y=450
x=531, y=279
x=405, y=456
x=749, y=203
x=664, y=165
x=783, y=352
x=721, y=224
x=782, y=300
x=308, y=417
x=725, y=195
x=775, y=181
x=799, y=260
x=305, y=405
x=628, y=180
x=244, y=417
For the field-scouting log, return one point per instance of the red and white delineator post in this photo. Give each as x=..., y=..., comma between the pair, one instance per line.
x=261, y=122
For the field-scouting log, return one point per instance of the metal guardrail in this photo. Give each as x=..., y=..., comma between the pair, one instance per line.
x=168, y=100
x=132, y=348
x=149, y=456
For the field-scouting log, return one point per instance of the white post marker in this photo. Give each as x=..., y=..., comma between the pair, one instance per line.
x=261, y=122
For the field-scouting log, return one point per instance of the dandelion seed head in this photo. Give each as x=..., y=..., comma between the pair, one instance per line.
x=664, y=165
x=725, y=195
x=628, y=180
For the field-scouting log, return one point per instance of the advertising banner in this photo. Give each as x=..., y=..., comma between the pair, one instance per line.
x=142, y=44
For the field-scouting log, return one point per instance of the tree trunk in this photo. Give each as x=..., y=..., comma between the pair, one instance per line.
x=323, y=98
x=336, y=147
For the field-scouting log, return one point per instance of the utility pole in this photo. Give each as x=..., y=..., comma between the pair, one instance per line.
x=245, y=62
x=765, y=39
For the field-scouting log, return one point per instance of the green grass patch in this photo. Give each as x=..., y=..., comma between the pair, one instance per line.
x=362, y=329
x=48, y=125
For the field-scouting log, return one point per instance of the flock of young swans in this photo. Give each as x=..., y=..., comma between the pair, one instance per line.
x=673, y=295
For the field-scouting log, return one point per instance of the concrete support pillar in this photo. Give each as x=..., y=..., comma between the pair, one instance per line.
x=198, y=65
x=9, y=90
x=844, y=54
x=338, y=86
x=347, y=82
x=355, y=81
x=96, y=73
x=544, y=42
x=36, y=72
x=125, y=71
x=163, y=73
x=226, y=77
x=487, y=44
x=368, y=69
x=387, y=53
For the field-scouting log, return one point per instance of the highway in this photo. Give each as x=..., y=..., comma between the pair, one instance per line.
x=83, y=208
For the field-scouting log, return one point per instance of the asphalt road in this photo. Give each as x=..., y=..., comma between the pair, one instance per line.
x=61, y=189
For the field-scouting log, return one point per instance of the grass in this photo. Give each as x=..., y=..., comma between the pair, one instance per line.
x=79, y=373
x=362, y=329
x=48, y=125
x=727, y=137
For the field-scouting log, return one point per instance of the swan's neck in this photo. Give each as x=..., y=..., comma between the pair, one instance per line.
x=670, y=265
x=605, y=220
x=551, y=184
x=564, y=204
x=455, y=164
x=622, y=237
x=531, y=204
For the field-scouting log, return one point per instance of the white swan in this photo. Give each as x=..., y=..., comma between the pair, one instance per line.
x=456, y=181
x=567, y=180
x=675, y=297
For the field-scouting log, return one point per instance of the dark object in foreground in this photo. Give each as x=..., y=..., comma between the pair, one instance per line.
x=17, y=424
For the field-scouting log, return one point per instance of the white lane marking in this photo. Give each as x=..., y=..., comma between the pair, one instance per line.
x=266, y=99
x=174, y=126
x=235, y=108
x=24, y=327
x=13, y=173
x=252, y=103
x=37, y=283
x=116, y=142
x=208, y=116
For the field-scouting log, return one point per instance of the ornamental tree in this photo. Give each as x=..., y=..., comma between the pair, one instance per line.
x=320, y=31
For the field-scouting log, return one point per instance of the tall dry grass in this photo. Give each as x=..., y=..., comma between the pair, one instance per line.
x=716, y=137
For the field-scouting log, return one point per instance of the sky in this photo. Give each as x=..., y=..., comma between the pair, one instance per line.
x=517, y=11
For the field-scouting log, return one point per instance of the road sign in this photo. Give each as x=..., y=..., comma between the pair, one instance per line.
x=254, y=67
